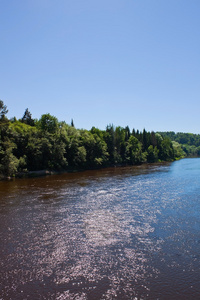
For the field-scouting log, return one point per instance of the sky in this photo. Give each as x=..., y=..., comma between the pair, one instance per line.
x=101, y=62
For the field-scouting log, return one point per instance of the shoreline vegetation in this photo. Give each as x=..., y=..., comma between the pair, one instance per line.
x=32, y=147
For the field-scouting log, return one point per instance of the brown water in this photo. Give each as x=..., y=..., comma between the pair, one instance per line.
x=120, y=233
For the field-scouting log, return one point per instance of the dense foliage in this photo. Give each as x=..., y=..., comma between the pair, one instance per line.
x=30, y=145
x=189, y=142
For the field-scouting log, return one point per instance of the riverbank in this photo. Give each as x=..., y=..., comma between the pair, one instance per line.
x=43, y=173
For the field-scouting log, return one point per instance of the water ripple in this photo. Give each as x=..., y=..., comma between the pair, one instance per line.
x=126, y=235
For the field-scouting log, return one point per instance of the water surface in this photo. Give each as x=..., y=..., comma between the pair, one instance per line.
x=117, y=233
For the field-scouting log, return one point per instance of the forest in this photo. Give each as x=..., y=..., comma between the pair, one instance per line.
x=190, y=143
x=29, y=144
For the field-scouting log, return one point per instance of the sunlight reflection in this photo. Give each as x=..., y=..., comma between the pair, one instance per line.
x=101, y=227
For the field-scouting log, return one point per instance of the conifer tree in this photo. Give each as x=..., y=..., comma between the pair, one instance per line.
x=27, y=118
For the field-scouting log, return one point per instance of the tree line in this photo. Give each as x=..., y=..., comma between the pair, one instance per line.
x=29, y=144
x=189, y=142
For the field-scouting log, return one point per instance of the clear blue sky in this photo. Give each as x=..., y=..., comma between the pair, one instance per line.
x=126, y=62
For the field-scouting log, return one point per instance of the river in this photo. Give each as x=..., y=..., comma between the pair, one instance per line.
x=117, y=233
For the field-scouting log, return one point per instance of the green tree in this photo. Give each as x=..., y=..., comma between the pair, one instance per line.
x=109, y=138
x=152, y=154
x=48, y=123
x=153, y=139
x=178, y=151
x=8, y=162
x=134, y=154
x=166, y=151
x=127, y=133
x=72, y=123
x=96, y=149
x=27, y=118
x=3, y=110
